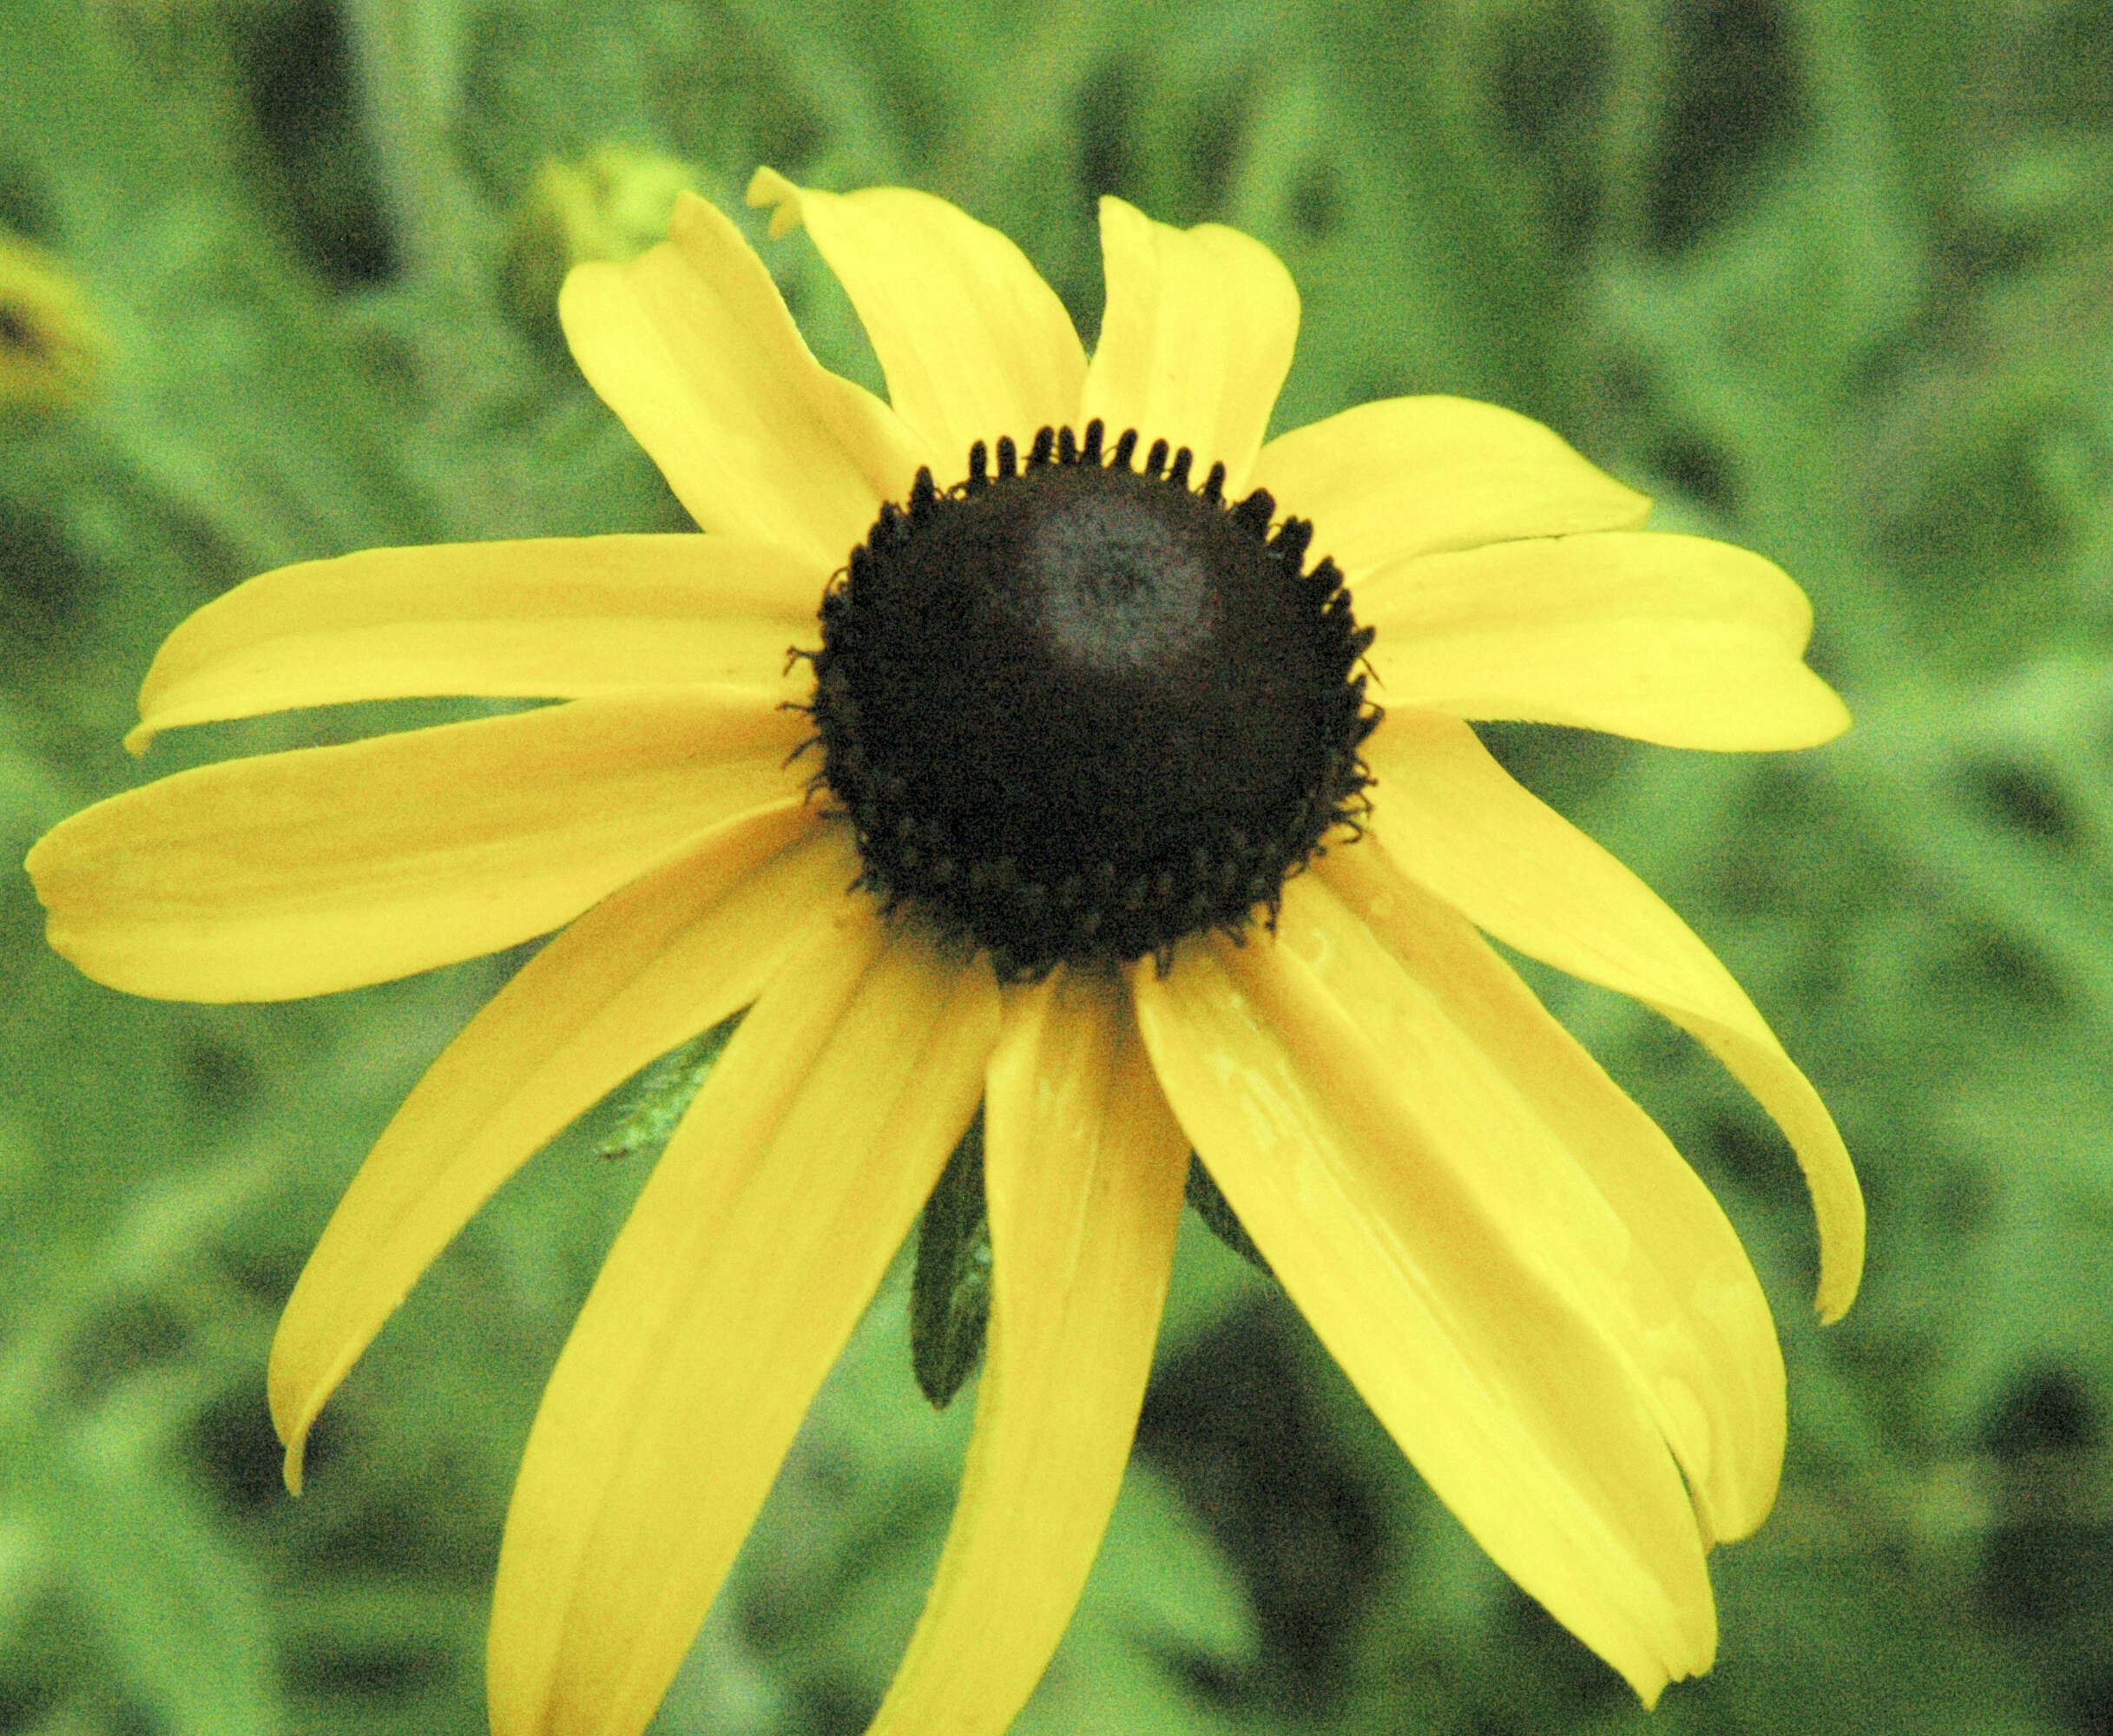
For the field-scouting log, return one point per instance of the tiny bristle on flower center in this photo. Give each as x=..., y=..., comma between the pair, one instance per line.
x=1076, y=710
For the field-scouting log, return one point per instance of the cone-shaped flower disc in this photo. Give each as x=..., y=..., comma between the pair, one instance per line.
x=1080, y=805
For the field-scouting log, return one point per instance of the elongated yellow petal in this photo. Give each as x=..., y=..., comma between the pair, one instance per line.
x=294, y=874
x=1505, y=1395
x=1084, y=1165
x=1671, y=639
x=747, y=1260
x=1592, y=1194
x=648, y=968
x=972, y=341
x=1419, y=476
x=556, y=618
x=1454, y=819
x=1196, y=341
x=691, y=345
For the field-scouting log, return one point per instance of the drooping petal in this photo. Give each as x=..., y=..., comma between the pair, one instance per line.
x=1196, y=341
x=1084, y=1166
x=748, y=1258
x=1454, y=820
x=556, y=618
x=973, y=343
x=1506, y=1397
x=292, y=874
x=1597, y=1198
x=1670, y=639
x=691, y=346
x=1419, y=476
x=645, y=970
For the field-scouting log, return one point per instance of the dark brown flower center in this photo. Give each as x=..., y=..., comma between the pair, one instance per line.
x=1077, y=711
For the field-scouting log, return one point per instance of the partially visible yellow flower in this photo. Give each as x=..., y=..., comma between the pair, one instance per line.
x=613, y=207
x=1079, y=711
x=50, y=347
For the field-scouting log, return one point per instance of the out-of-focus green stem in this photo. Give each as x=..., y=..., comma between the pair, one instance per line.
x=406, y=53
x=1636, y=105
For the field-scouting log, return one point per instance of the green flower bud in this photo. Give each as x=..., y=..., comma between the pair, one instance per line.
x=612, y=205
x=50, y=347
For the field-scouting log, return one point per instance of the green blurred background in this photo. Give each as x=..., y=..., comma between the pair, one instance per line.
x=1830, y=278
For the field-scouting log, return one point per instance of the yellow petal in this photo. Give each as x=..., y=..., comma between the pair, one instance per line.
x=1671, y=639
x=1454, y=820
x=1593, y=1195
x=294, y=874
x=645, y=970
x=748, y=1258
x=972, y=341
x=1196, y=341
x=1084, y=1167
x=1419, y=476
x=550, y=619
x=692, y=346
x=1506, y=1398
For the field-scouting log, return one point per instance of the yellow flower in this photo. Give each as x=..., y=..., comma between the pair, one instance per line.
x=50, y=347
x=1026, y=674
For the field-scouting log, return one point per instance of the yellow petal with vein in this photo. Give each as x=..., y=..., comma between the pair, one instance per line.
x=1454, y=820
x=747, y=1260
x=691, y=346
x=972, y=341
x=1670, y=639
x=1505, y=1395
x=1593, y=1195
x=1084, y=1167
x=556, y=618
x=1196, y=341
x=644, y=971
x=292, y=874
x=1419, y=476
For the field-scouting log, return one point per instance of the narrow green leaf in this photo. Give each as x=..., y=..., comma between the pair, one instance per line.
x=657, y=1098
x=1218, y=1215
x=950, y=1296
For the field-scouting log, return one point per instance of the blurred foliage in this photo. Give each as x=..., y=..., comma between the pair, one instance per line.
x=1828, y=277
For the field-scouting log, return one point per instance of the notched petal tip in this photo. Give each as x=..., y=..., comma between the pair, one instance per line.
x=53, y=863
x=585, y=303
x=767, y=187
x=1834, y=715
x=1120, y=214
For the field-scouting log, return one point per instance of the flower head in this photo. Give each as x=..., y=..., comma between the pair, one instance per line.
x=1081, y=806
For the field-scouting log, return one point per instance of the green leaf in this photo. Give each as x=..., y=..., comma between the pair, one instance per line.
x=1217, y=1212
x=950, y=1296
x=656, y=1100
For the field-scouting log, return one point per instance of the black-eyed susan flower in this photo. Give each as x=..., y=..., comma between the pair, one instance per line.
x=1081, y=806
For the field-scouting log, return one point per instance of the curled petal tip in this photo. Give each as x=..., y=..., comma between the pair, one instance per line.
x=1836, y=1297
x=1845, y=720
x=767, y=187
x=291, y=1419
x=1839, y=1204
